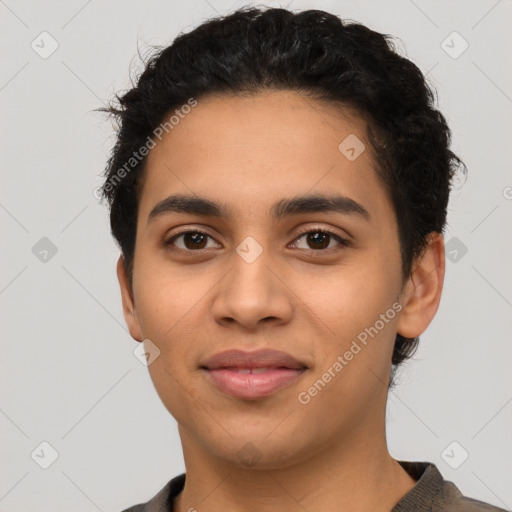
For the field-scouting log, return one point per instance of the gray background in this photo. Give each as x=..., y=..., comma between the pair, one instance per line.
x=69, y=376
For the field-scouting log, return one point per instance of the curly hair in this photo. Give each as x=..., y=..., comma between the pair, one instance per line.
x=315, y=53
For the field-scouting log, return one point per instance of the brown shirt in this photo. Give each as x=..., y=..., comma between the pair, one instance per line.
x=430, y=494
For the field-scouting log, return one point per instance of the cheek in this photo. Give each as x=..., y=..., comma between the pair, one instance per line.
x=356, y=303
x=171, y=310
x=353, y=364
x=350, y=298
x=164, y=296
x=167, y=310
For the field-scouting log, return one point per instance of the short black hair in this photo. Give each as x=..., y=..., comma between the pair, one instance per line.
x=315, y=53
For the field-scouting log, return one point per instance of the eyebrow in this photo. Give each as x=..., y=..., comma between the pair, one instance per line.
x=312, y=203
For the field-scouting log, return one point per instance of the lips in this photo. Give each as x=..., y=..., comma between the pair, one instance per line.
x=252, y=375
x=263, y=358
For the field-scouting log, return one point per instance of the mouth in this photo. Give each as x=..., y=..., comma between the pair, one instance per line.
x=253, y=383
x=252, y=375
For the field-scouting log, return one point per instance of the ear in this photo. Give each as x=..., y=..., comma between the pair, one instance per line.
x=422, y=292
x=130, y=314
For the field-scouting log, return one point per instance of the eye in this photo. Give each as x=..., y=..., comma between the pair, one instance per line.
x=319, y=239
x=192, y=240
x=195, y=240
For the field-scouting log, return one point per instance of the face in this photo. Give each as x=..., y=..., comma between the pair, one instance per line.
x=319, y=284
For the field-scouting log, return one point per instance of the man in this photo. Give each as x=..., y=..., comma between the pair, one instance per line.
x=278, y=190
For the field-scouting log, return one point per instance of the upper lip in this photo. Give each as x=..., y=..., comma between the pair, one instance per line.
x=262, y=358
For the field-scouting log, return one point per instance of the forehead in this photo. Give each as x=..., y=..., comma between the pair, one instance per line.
x=254, y=151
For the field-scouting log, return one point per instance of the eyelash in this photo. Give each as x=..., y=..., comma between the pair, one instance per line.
x=342, y=241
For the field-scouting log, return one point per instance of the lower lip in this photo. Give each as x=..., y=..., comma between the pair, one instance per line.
x=253, y=385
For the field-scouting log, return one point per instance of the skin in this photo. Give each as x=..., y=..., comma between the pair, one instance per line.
x=247, y=153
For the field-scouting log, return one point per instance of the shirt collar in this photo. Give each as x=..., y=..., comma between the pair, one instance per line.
x=429, y=482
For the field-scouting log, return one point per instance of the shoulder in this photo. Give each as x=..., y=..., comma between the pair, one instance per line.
x=163, y=499
x=452, y=500
x=432, y=493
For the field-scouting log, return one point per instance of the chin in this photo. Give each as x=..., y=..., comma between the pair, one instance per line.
x=253, y=450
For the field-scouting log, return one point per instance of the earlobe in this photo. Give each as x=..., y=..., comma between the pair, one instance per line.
x=422, y=292
x=129, y=310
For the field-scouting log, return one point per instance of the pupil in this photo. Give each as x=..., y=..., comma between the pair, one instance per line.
x=316, y=241
x=197, y=238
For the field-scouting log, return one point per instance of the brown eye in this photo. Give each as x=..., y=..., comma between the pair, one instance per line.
x=320, y=240
x=317, y=240
x=191, y=240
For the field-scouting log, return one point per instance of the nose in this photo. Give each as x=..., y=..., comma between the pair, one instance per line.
x=254, y=291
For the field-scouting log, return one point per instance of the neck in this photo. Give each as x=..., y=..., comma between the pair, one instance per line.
x=355, y=474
